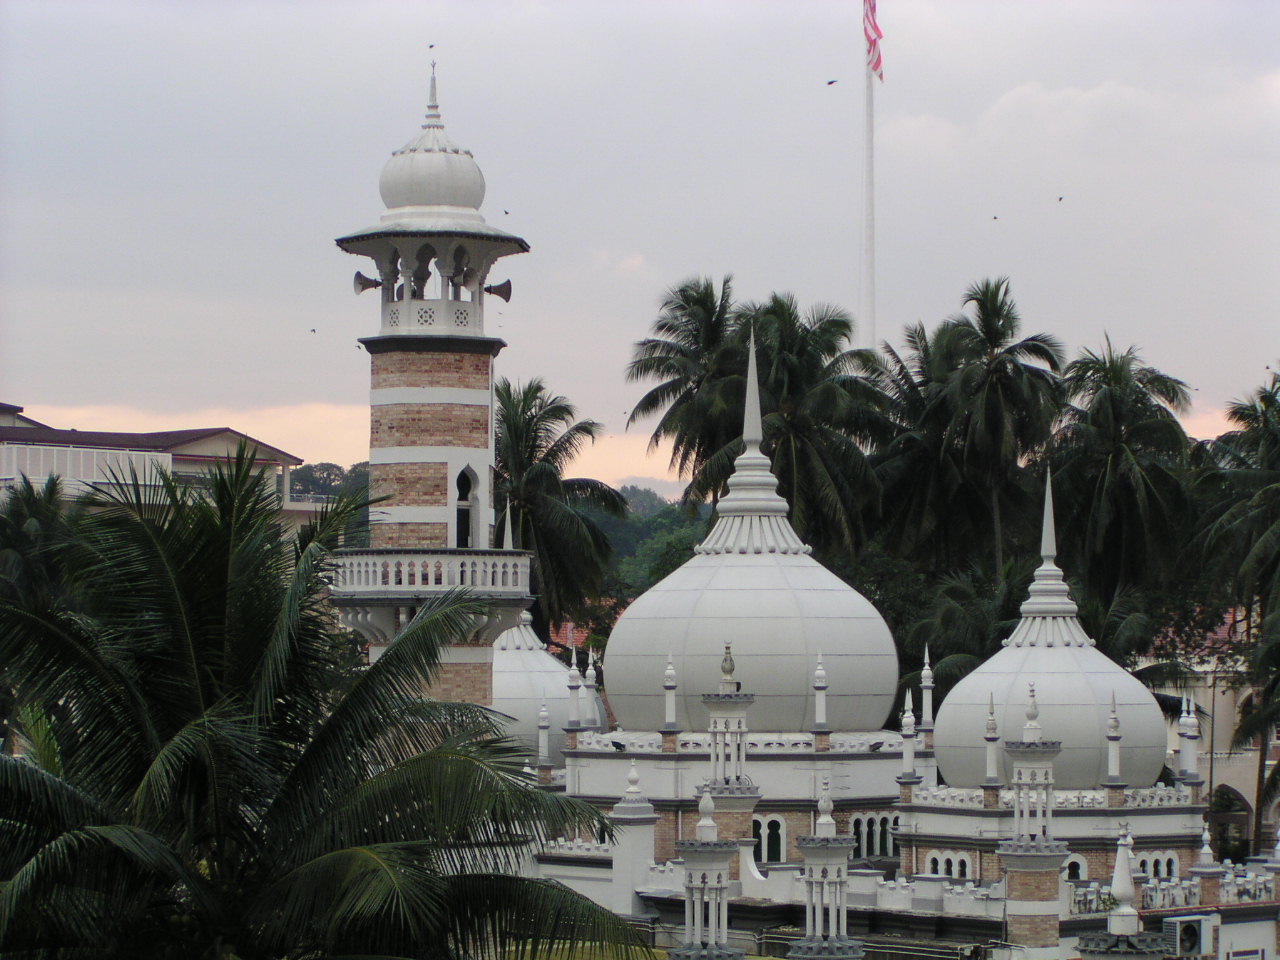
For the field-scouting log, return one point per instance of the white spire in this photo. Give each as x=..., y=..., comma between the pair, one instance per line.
x=727, y=683
x=926, y=674
x=908, y=717
x=992, y=731
x=752, y=517
x=1206, y=848
x=433, y=104
x=1049, y=595
x=826, y=824
x=706, y=830
x=1031, y=732
x=1123, y=918
x=508, y=538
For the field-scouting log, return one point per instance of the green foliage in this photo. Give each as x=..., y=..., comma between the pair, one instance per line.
x=536, y=437
x=206, y=775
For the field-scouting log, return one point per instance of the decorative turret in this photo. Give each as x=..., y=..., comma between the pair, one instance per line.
x=1189, y=749
x=1124, y=936
x=909, y=777
x=826, y=880
x=926, y=701
x=728, y=728
x=707, y=861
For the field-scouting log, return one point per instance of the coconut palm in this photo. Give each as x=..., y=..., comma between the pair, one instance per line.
x=686, y=354
x=216, y=784
x=1119, y=463
x=1000, y=401
x=536, y=437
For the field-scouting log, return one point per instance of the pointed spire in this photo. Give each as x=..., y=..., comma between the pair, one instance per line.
x=752, y=517
x=820, y=674
x=433, y=104
x=908, y=717
x=1113, y=720
x=752, y=425
x=508, y=538
x=1049, y=595
x=1123, y=918
x=926, y=675
x=669, y=675
x=993, y=732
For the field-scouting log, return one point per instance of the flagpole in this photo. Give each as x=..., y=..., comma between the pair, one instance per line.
x=869, y=212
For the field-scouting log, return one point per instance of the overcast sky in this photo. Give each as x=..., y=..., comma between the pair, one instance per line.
x=172, y=176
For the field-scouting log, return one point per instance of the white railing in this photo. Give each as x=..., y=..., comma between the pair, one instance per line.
x=397, y=572
x=79, y=467
x=1157, y=796
x=457, y=317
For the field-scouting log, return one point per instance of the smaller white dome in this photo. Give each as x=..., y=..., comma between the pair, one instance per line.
x=431, y=170
x=525, y=676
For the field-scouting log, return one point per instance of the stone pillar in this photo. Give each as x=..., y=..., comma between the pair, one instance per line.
x=544, y=744
x=821, y=731
x=1032, y=899
x=670, y=729
x=706, y=890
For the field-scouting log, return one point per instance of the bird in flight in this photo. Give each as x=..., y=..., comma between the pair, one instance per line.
x=830, y=82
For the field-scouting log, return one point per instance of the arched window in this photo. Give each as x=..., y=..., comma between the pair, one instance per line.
x=884, y=837
x=894, y=834
x=1073, y=870
x=769, y=834
x=962, y=869
x=466, y=501
x=948, y=867
x=855, y=831
x=773, y=845
x=1144, y=867
x=933, y=865
x=1171, y=867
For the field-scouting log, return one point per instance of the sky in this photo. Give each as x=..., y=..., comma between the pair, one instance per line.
x=172, y=176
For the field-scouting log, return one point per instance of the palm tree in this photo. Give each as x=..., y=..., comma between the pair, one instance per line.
x=216, y=784
x=1119, y=461
x=1001, y=399
x=928, y=513
x=536, y=437
x=686, y=353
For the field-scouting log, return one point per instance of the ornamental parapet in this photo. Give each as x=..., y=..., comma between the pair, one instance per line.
x=369, y=574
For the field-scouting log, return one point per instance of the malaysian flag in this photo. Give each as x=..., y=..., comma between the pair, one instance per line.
x=870, y=29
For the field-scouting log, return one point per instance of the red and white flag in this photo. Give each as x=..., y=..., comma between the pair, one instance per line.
x=872, y=32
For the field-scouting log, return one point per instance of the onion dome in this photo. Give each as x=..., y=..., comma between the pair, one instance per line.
x=1075, y=686
x=752, y=583
x=525, y=676
x=431, y=170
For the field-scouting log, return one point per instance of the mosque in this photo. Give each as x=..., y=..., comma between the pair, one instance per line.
x=763, y=807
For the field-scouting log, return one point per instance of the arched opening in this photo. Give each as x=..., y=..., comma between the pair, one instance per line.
x=756, y=835
x=884, y=837
x=962, y=869
x=464, y=532
x=1144, y=867
x=855, y=831
x=1073, y=870
x=1170, y=867
x=933, y=865
x=773, y=841
x=948, y=867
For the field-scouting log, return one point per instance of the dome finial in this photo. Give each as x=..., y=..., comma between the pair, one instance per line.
x=1031, y=732
x=752, y=517
x=752, y=427
x=1048, y=533
x=1049, y=595
x=433, y=104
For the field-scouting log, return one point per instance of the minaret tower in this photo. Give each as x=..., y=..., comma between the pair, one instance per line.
x=431, y=418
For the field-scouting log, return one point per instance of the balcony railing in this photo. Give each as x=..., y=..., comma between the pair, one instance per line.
x=372, y=573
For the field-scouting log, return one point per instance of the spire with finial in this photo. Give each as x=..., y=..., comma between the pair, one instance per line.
x=1031, y=732
x=825, y=826
x=706, y=830
x=727, y=666
x=669, y=675
x=908, y=717
x=633, y=782
x=752, y=517
x=1206, y=847
x=433, y=105
x=1049, y=595
x=1123, y=918
x=926, y=693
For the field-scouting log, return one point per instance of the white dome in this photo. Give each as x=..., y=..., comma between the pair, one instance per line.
x=431, y=170
x=1075, y=683
x=525, y=676
x=753, y=584
x=780, y=611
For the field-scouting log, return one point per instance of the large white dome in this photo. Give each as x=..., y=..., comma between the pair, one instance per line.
x=431, y=170
x=1075, y=683
x=780, y=611
x=753, y=584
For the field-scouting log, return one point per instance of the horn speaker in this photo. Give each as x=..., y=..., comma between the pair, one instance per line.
x=502, y=290
x=361, y=283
